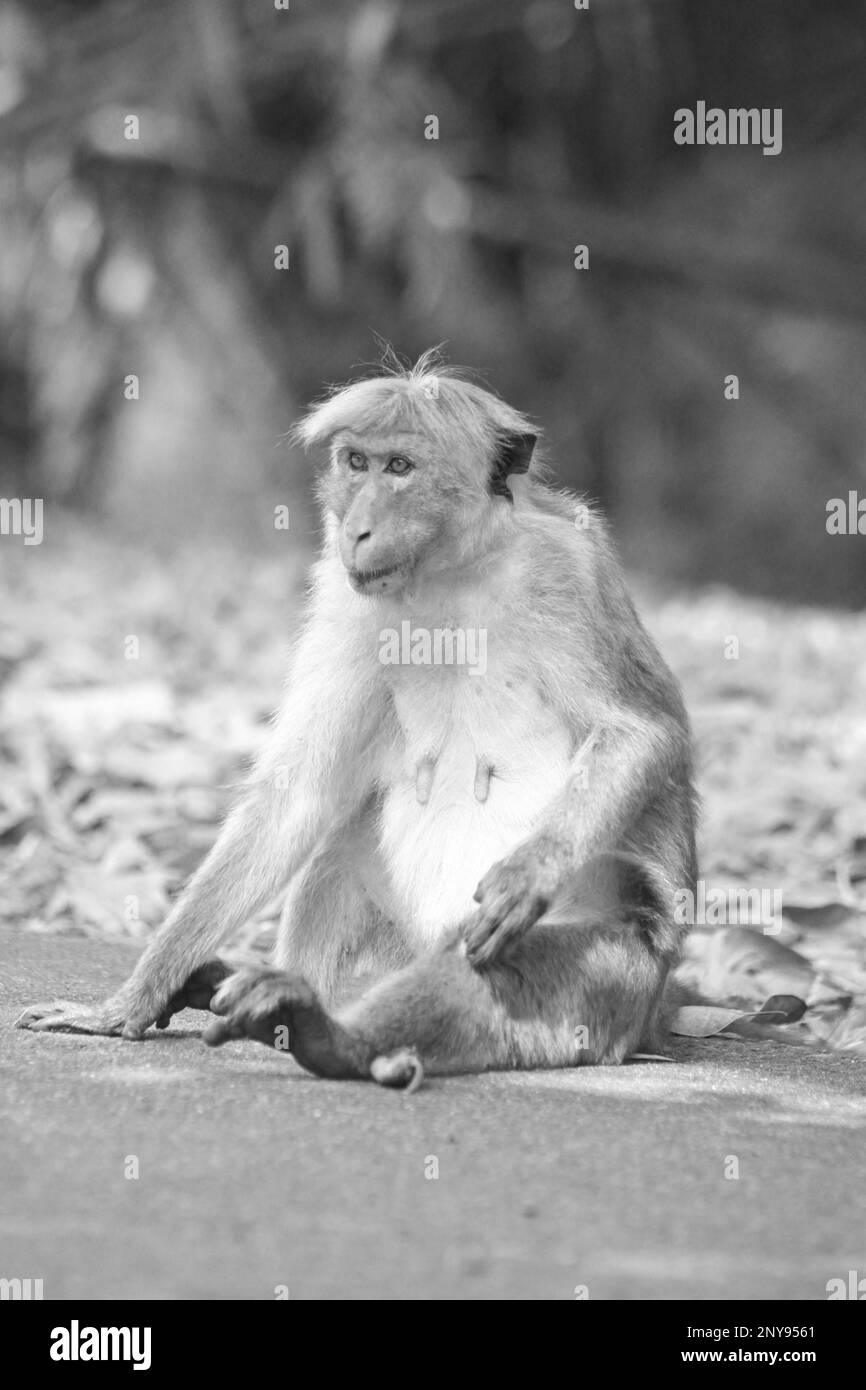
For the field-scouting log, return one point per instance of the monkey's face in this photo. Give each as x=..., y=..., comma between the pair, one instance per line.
x=393, y=502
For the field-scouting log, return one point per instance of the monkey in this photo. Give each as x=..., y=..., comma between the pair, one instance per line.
x=480, y=856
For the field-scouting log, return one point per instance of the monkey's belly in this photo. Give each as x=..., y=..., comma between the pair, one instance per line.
x=437, y=851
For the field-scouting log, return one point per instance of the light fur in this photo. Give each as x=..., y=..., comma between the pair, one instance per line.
x=555, y=788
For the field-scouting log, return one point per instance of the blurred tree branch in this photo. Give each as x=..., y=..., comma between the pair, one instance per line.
x=306, y=128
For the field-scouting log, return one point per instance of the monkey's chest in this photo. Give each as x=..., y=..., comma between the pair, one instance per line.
x=475, y=766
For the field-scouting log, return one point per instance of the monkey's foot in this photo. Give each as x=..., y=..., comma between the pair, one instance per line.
x=197, y=992
x=255, y=1003
x=282, y=1011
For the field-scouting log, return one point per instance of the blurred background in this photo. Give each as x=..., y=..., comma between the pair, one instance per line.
x=305, y=127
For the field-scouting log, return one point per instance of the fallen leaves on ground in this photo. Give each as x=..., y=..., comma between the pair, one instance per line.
x=133, y=693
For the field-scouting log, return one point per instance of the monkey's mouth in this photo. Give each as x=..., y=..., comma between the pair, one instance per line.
x=363, y=580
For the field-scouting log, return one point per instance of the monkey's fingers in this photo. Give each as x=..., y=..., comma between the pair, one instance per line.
x=197, y=992
x=498, y=925
x=484, y=943
x=511, y=899
x=66, y=1016
x=481, y=952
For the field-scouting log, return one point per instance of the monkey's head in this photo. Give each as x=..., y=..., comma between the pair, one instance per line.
x=420, y=463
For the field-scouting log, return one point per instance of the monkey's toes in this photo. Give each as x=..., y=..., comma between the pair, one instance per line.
x=222, y=1030
x=256, y=1003
x=401, y=1069
x=260, y=991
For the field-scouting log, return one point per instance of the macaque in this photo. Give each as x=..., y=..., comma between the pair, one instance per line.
x=478, y=789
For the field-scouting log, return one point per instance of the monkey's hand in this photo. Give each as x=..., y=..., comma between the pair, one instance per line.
x=197, y=992
x=129, y=1013
x=511, y=897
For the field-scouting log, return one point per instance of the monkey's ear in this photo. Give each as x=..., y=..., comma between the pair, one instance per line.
x=513, y=456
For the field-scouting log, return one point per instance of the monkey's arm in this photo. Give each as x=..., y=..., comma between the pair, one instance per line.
x=623, y=765
x=599, y=668
x=311, y=774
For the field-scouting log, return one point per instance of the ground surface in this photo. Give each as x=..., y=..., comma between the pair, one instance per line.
x=253, y=1175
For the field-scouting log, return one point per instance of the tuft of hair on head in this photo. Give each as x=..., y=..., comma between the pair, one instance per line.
x=392, y=363
x=430, y=397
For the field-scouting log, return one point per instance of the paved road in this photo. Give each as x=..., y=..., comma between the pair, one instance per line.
x=253, y=1175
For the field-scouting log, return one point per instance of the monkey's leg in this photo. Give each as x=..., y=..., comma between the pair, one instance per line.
x=282, y=1011
x=565, y=995
x=332, y=931
x=656, y=862
x=568, y=995
x=438, y=1004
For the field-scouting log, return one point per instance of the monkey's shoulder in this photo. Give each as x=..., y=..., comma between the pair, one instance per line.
x=564, y=539
x=556, y=574
x=582, y=609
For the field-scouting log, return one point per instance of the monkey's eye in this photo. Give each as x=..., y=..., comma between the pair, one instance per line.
x=399, y=465
x=356, y=461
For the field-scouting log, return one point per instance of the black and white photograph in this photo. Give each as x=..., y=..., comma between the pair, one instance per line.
x=432, y=668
